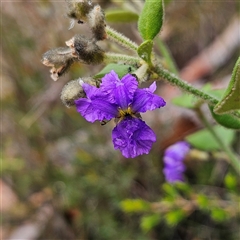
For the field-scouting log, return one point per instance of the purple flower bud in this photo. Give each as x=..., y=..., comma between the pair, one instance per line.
x=173, y=161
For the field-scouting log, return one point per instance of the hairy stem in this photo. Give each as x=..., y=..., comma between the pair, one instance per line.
x=121, y=39
x=173, y=79
x=115, y=57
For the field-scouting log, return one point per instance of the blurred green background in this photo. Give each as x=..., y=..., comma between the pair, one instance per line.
x=60, y=175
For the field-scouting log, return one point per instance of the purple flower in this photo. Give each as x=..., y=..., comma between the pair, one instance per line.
x=122, y=100
x=173, y=161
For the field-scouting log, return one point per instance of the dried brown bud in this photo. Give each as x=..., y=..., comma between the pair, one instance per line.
x=86, y=49
x=78, y=10
x=85, y=10
x=96, y=19
x=60, y=59
x=73, y=90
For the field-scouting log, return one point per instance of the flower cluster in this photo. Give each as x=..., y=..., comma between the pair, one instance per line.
x=123, y=101
x=173, y=161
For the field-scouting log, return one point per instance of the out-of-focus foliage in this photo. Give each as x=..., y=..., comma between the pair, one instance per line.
x=51, y=155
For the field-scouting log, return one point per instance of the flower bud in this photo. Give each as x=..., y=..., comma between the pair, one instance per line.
x=85, y=10
x=97, y=23
x=73, y=90
x=86, y=49
x=60, y=59
x=78, y=10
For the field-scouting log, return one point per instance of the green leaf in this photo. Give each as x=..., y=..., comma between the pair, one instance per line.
x=149, y=222
x=185, y=100
x=167, y=57
x=121, y=16
x=203, y=202
x=151, y=19
x=183, y=188
x=230, y=181
x=170, y=189
x=174, y=217
x=134, y=205
x=217, y=93
x=145, y=51
x=226, y=120
x=231, y=98
x=218, y=214
x=120, y=69
x=204, y=140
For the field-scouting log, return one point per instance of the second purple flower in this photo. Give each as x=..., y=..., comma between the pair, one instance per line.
x=124, y=101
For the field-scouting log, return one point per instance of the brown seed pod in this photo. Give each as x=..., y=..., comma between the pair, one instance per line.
x=78, y=10
x=60, y=59
x=86, y=49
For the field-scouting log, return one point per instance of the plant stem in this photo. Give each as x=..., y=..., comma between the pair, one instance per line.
x=121, y=39
x=116, y=57
x=173, y=79
x=231, y=155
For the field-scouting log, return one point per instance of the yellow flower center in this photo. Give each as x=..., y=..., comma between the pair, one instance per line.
x=125, y=112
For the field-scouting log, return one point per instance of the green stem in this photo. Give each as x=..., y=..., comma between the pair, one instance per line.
x=231, y=155
x=115, y=57
x=173, y=79
x=121, y=39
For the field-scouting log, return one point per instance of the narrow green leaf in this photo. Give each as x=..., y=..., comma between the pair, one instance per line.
x=183, y=188
x=231, y=98
x=134, y=205
x=149, y=222
x=174, y=217
x=120, y=69
x=170, y=189
x=151, y=19
x=204, y=140
x=218, y=214
x=226, y=120
x=168, y=59
x=231, y=182
x=122, y=16
x=145, y=51
x=203, y=202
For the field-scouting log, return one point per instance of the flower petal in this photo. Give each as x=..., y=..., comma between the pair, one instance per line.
x=173, y=161
x=91, y=91
x=133, y=137
x=95, y=107
x=172, y=175
x=145, y=100
x=177, y=151
x=119, y=91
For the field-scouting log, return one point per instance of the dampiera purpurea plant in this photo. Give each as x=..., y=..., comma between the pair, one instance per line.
x=115, y=93
x=104, y=96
